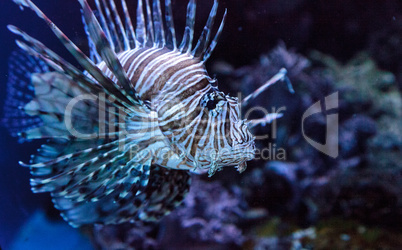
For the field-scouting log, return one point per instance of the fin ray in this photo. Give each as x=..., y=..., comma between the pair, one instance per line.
x=77, y=53
x=105, y=26
x=93, y=54
x=166, y=189
x=158, y=24
x=187, y=41
x=171, y=32
x=150, y=26
x=120, y=25
x=107, y=54
x=129, y=24
x=49, y=56
x=214, y=42
x=203, y=41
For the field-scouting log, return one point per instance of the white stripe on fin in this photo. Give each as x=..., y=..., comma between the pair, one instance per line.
x=120, y=25
x=200, y=48
x=141, y=29
x=212, y=46
x=93, y=54
x=150, y=26
x=104, y=24
x=129, y=24
x=170, y=30
x=158, y=24
x=186, y=43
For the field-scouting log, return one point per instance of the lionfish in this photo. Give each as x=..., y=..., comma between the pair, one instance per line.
x=125, y=132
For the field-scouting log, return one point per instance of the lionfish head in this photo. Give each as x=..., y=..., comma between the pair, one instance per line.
x=228, y=140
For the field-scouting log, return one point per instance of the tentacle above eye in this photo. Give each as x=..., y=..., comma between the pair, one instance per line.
x=280, y=76
x=265, y=120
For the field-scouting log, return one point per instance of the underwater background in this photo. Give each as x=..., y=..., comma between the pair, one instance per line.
x=304, y=200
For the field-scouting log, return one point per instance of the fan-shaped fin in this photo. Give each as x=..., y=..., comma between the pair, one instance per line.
x=106, y=52
x=58, y=63
x=165, y=191
x=53, y=95
x=86, y=165
x=77, y=53
x=98, y=176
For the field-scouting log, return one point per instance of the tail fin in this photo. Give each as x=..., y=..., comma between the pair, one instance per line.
x=20, y=91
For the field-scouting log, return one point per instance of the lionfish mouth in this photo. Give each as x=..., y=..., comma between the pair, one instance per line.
x=236, y=157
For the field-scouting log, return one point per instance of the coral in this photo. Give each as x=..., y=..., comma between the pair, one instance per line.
x=365, y=87
x=332, y=233
x=369, y=195
x=309, y=185
x=292, y=241
x=372, y=92
x=209, y=216
x=385, y=46
x=338, y=233
x=124, y=236
x=210, y=213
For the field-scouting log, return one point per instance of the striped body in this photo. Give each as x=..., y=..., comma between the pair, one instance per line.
x=174, y=84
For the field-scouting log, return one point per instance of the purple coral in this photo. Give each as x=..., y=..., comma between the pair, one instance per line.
x=210, y=212
x=209, y=216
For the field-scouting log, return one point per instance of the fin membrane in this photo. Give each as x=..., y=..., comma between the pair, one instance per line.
x=64, y=107
x=20, y=91
x=165, y=190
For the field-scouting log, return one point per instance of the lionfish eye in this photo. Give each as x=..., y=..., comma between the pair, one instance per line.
x=211, y=100
x=211, y=104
